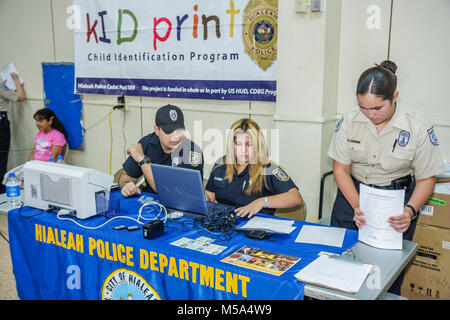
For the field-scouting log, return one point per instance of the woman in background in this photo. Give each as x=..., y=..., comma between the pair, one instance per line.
x=7, y=96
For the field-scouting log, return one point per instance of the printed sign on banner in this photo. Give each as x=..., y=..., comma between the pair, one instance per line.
x=204, y=49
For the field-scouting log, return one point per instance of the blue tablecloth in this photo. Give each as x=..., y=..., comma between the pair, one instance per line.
x=55, y=259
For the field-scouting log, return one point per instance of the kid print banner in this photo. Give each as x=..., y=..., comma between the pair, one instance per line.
x=203, y=49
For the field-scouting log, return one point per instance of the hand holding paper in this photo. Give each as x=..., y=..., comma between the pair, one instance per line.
x=401, y=222
x=10, y=74
x=379, y=206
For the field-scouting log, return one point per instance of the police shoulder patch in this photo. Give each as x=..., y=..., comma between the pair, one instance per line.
x=432, y=136
x=195, y=158
x=280, y=174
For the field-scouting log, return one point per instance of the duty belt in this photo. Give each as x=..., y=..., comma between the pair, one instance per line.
x=405, y=183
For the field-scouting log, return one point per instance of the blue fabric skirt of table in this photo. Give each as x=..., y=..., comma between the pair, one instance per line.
x=58, y=259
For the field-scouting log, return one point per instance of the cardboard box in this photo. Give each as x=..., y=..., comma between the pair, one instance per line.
x=428, y=275
x=436, y=211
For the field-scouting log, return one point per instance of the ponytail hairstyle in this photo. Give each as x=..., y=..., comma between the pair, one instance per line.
x=380, y=80
x=48, y=114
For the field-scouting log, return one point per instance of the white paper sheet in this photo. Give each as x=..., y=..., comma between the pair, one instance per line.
x=336, y=274
x=270, y=225
x=378, y=205
x=328, y=236
x=5, y=74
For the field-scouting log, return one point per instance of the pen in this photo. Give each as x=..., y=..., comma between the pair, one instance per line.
x=395, y=143
x=243, y=185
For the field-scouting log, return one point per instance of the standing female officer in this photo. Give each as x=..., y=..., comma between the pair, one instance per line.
x=246, y=178
x=383, y=145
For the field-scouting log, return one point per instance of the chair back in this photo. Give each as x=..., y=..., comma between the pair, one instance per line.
x=65, y=151
x=296, y=213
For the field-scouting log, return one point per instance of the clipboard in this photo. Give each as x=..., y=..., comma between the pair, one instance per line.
x=335, y=272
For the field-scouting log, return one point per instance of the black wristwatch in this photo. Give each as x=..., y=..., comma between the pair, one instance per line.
x=144, y=161
x=413, y=211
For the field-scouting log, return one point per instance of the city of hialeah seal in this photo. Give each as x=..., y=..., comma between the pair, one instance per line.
x=259, y=32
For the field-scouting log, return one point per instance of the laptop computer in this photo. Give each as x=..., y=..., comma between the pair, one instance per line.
x=181, y=189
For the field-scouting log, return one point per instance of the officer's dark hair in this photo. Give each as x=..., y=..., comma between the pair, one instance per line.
x=379, y=80
x=244, y=125
x=48, y=114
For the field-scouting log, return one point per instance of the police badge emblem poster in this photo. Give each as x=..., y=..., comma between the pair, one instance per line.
x=260, y=31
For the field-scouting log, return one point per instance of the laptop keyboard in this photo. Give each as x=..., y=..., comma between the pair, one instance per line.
x=215, y=208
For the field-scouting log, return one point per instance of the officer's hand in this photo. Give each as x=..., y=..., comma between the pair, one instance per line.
x=136, y=152
x=358, y=218
x=402, y=222
x=130, y=189
x=251, y=209
x=14, y=76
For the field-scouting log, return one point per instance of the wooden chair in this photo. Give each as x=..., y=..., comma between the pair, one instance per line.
x=65, y=151
x=297, y=213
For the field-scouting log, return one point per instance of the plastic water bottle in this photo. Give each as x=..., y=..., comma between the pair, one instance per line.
x=13, y=191
x=51, y=159
x=59, y=159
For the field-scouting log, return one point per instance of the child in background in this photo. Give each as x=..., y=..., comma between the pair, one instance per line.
x=51, y=137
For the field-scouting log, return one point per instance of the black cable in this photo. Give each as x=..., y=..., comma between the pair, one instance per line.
x=218, y=224
x=1, y=234
x=34, y=215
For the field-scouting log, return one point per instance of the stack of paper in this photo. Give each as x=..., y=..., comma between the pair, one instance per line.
x=334, y=273
x=269, y=225
x=324, y=235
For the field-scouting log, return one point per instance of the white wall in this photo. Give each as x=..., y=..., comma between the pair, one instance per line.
x=320, y=57
x=420, y=45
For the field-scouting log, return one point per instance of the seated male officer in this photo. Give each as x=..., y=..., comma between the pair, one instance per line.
x=167, y=146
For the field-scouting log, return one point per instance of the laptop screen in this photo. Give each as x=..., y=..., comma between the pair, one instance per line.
x=180, y=188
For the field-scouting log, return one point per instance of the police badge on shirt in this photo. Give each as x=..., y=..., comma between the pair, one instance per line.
x=195, y=158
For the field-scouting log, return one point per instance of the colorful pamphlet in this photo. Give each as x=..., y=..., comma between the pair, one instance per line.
x=261, y=260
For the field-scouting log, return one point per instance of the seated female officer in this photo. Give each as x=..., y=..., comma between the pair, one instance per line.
x=383, y=145
x=246, y=178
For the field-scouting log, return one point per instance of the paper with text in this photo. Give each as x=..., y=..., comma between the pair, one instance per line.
x=378, y=205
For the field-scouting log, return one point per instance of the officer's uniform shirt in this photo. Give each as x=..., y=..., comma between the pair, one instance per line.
x=234, y=193
x=7, y=96
x=406, y=145
x=187, y=155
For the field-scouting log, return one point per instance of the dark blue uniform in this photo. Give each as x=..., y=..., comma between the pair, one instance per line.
x=234, y=193
x=187, y=155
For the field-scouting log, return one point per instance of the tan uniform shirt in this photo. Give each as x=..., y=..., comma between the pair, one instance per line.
x=406, y=145
x=7, y=95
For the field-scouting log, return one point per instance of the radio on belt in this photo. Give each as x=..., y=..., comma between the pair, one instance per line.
x=153, y=229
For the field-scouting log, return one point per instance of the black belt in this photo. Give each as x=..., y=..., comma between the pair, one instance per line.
x=405, y=183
